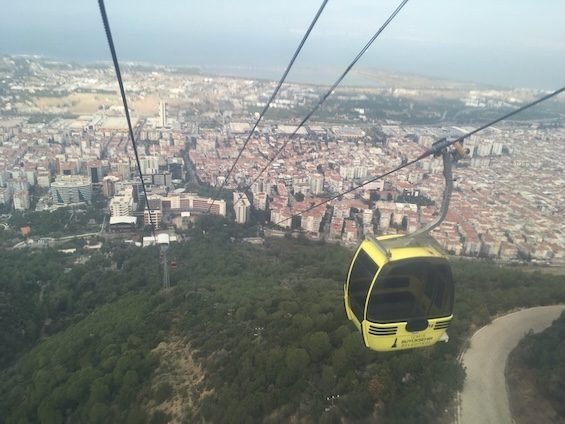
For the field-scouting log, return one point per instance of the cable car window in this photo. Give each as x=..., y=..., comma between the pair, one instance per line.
x=395, y=281
x=428, y=294
x=362, y=274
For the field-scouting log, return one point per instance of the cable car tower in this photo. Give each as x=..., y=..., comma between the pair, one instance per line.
x=163, y=242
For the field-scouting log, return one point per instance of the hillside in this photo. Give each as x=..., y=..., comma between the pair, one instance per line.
x=247, y=333
x=536, y=376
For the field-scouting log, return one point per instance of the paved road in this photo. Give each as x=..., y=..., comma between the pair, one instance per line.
x=484, y=398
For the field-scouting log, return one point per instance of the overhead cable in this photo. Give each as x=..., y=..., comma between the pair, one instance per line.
x=126, y=109
x=331, y=90
x=278, y=87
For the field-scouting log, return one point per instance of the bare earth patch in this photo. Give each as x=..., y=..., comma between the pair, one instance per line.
x=79, y=103
x=89, y=103
x=184, y=375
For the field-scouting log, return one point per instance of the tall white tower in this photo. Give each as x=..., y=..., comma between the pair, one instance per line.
x=317, y=183
x=241, y=206
x=162, y=114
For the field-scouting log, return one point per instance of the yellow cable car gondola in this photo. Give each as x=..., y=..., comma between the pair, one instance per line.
x=399, y=297
x=399, y=290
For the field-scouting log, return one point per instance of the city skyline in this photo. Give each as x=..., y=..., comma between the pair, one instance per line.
x=64, y=132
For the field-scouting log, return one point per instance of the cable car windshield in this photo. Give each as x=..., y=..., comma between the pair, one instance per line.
x=411, y=289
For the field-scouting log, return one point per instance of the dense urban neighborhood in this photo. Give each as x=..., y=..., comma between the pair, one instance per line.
x=64, y=143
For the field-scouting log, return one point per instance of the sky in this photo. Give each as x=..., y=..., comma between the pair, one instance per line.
x=510, y=43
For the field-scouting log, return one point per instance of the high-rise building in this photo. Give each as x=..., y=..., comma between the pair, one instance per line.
x=152, y=217
x=257, y=187
x=347, y=172
x=149, y=164
x=21, y=200
x=31, y=175
x=162, y=179
x=18, y=183
x=122, y=204
x=336, y=227
x=360, y=171
x=94, y=171
x=485, y=148
x=311, y=222
x=154, y=201
x=176, y=167
x=162, y=114
x=260, y=201
x=43, y=177
x=109, y=185
x=497, y=148
x=426, y=141
x=281, y=217
x=201, y=204
x=317, y=183
x=71, y=189
x=122, y=167
x=5, y=195
x=368, y=216
x=241, y=206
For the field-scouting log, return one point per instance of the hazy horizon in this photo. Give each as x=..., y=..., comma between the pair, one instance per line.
x=503, y=44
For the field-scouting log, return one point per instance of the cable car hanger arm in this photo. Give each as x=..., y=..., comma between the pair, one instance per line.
x=448, y=159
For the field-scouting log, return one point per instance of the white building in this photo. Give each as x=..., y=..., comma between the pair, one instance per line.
x=123, y=223
x=31, y=176
x=189, y=202
x=5, y=195
x=347, y=172
x=241, y=206
x=162, y=114
x=122, y=167
x=281, y=217
x=311, y=223
x=149, y=164
x=485, y=148
x=109, y=185
x=152, y=217
x=257, y=187
x=21, y=200
x=317, y=183
x=368, y=216
x=43, y=177
x=497, y=148
x=71, y=189
x=122, y=204
x=360, y=171
x=260, y=201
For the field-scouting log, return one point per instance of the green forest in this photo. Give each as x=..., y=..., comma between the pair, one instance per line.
x=247, y=333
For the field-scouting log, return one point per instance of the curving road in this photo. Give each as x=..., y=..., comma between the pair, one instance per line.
x=484, y=398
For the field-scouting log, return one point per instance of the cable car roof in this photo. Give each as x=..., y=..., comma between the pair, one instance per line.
x=382, y=254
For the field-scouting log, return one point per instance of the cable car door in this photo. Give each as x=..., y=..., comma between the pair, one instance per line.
x=360, y=278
